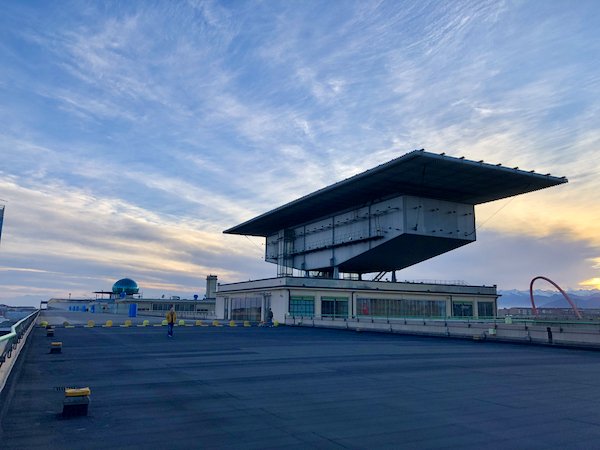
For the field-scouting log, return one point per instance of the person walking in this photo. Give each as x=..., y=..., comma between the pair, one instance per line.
x=171, y=318
x=270, y=318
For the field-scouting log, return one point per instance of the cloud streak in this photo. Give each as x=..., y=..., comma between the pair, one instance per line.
x=132, y=135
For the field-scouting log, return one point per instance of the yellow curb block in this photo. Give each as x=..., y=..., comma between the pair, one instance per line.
x=78, y=392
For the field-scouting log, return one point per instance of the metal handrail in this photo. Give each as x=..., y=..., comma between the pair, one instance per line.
x=469, y=320
x=180, y=314
x=9, y=341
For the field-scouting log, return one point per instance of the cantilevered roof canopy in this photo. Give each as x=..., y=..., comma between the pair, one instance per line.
x=417, y=173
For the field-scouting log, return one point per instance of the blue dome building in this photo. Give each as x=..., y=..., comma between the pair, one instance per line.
x=125, y=286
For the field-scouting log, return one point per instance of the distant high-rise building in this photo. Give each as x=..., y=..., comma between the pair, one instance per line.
x=1, y=220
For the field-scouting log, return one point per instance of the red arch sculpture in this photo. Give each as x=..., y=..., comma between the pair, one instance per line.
x=534, y=309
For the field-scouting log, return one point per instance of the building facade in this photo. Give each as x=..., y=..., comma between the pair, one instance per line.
x=318, y=298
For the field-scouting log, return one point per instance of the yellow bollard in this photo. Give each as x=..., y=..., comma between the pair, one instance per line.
x=275, y=324
x=165, y=323
x=247, y=323
x=43, y=324
x=232, y=324
x=199, y=323
x=65, y=324
x=108, y=324
x=182, y=323
x=127, y=324
x=216, y=323
x=90, y=324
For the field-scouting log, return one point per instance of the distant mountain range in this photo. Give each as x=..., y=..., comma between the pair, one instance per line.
x=549, y=299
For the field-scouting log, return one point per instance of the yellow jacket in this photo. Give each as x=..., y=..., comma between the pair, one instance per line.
x=171, y=317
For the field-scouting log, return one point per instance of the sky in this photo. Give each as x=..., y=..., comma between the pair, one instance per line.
x=133, y=133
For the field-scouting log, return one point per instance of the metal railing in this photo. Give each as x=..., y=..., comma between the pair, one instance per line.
x=517, y=323
x=180, y=314
x=9, y=341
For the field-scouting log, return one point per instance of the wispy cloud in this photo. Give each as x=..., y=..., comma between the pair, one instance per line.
x=133, y=135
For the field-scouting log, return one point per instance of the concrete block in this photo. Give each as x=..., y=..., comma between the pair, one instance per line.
x=75, y=406
x=55, y=347
x=76, y=402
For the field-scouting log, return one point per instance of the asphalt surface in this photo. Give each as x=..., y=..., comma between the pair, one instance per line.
x=299, y=388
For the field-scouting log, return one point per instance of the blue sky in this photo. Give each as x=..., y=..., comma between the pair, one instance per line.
x=133, y=133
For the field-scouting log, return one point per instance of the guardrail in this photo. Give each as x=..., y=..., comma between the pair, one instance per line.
x=9, y=341
x=180, y=314
x=565, y=333
x=472, y=320
x=9, y=344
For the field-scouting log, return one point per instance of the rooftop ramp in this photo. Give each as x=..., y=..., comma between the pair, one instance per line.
x=298, y=388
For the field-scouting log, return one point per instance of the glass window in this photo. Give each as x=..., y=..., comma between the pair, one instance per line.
x=485, y=309
x=363, y=307
x=302, y=306
x=248, y=308
x=379, y=307
x=462, y=309
x=334, y=306
x=399, y=308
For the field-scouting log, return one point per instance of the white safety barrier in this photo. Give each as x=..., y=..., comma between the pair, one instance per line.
x=11, y=345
